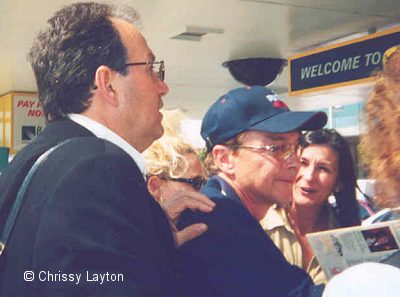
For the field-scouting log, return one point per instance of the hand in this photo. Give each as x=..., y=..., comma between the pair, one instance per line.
x=186, y=199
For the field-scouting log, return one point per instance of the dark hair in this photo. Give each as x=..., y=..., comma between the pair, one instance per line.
x=347, y=209
x=65, y=56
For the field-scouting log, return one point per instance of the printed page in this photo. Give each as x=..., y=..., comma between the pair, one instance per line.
x=341, y=248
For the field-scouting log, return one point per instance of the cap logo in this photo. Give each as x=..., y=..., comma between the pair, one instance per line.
x=276, y=102
x=271, y=98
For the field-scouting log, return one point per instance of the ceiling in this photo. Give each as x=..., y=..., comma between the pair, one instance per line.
x=195, y=76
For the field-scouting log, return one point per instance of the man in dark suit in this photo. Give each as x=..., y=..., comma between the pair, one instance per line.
x=87, y=225
x=252, y=141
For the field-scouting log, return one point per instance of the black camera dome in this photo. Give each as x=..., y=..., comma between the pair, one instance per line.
x=255, y=71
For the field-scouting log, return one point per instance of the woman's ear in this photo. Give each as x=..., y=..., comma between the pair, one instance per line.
x=154, y=186
x=223, y=159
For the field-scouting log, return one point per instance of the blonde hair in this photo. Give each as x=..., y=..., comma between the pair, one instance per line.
x=166, y=156
x=380, y=145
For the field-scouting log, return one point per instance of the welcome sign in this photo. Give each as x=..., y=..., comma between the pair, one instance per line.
x=346, y=63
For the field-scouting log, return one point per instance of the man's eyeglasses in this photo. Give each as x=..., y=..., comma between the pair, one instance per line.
x=282, y=151
x=161, y=69
x=196, y=182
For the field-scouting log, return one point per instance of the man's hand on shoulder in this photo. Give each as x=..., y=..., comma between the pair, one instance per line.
x=186, y=199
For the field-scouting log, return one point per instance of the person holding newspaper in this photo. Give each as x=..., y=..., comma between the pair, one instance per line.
x=326, y=168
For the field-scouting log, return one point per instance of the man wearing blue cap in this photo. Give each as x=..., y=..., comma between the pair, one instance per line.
x=251, y=138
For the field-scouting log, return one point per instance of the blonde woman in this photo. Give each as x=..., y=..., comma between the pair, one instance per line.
x=172, y=164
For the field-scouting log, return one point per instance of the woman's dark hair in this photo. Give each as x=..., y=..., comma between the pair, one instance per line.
x=65, y=56
x=347, y=209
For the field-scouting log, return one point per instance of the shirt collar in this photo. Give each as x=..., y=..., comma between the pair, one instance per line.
x=103, y=132
x=275, y=217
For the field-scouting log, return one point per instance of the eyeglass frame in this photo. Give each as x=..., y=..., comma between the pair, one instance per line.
x=161, y=70
x=291, y=148
x=196, y=182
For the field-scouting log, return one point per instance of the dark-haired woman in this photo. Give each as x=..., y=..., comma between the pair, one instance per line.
x=326, y=168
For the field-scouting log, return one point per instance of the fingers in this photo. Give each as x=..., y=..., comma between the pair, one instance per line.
x=187, y=200
x=194, y=203
x=198, y=196
x=190, y=196
x=189, y=233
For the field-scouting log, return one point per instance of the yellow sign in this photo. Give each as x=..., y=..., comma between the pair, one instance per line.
x=21, y=119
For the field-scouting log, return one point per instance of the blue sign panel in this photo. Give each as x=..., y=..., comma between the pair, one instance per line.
x=345, y=63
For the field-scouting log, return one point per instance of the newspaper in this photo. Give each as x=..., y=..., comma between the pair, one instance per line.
x=338, y=249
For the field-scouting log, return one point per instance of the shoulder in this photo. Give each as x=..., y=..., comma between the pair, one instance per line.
x=90, y=145
x=226, y=215
x=91, y=158
x=77, y=151
x=89, y=167
x=229, y=215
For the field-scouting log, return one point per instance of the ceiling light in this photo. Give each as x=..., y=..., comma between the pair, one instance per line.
x=194, y=33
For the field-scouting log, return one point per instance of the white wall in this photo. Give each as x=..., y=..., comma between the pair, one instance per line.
x=334, y=97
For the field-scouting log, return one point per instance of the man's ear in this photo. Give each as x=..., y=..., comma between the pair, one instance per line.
x=223, y=159
x=103, y=79
x=154, y=186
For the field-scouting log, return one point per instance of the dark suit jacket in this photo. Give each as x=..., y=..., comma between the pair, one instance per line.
x=235, y=257
x=87, y=211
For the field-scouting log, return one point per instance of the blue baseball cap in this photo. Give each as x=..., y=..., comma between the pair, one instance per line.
x=254, y=108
